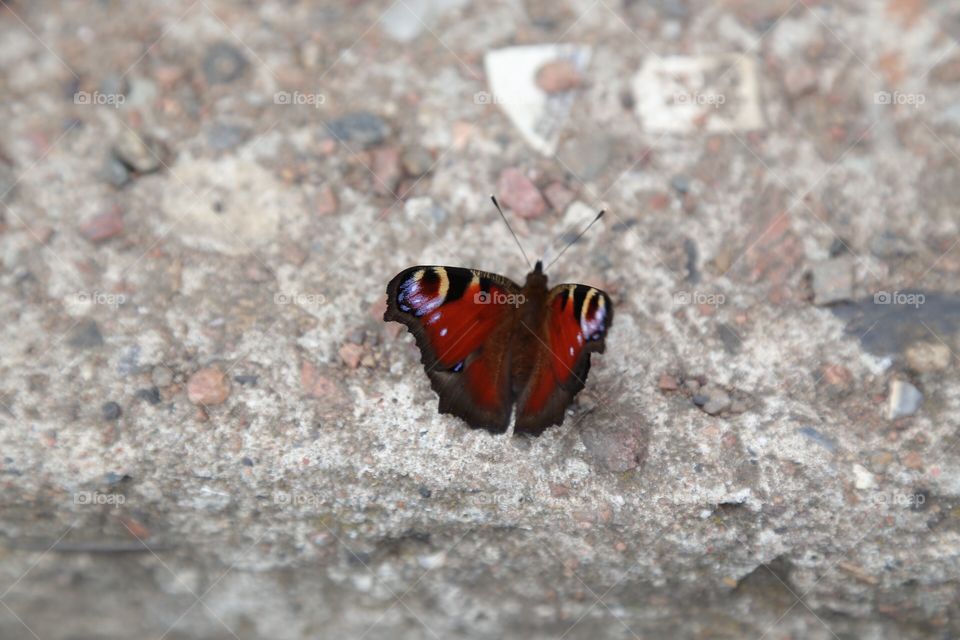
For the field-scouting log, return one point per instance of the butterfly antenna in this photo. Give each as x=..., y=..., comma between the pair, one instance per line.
x=497, y=205
x=574, y=241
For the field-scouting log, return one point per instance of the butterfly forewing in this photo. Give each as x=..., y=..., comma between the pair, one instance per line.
x=574, y=326
x=461, y=320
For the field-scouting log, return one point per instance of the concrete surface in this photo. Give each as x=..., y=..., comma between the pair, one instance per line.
x=207, y=431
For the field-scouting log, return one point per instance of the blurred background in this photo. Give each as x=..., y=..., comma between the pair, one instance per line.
x=207, y=431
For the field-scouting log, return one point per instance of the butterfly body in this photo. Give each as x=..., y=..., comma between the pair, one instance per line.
x=488, y=344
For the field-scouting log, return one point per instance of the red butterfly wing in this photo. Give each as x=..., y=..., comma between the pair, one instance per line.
x=574, y=326
x=461, y=319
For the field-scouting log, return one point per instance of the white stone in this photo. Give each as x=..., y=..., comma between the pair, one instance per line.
x=537, y=115
x=684, y=94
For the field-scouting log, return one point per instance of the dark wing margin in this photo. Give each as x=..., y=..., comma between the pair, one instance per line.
x=576, y=324
x=460, y=320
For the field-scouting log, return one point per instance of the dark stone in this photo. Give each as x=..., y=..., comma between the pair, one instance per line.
x=111, y=411
x=886, y=324
x=361, y=128
x=824, y=441
x=246, y=379
x=112, y=478
x=86, y=335
x=700, y=399
x=222, y=136
x=151, y=395
x=680, y=184
x=247, y=462
x=425, y=492
x=690, y=248
x=114, y=172
x=729, y=338
x=223, y=63
x=839, y=247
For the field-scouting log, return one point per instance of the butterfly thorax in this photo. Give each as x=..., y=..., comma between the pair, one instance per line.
x=530, y=317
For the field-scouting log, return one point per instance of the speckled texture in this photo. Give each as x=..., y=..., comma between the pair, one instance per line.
x=325, y=497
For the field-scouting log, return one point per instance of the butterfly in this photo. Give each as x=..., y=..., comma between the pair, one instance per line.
x=489, y=344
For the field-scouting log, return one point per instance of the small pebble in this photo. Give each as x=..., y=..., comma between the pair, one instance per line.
x=114, y=172
x=912, y=460
x=905, y=399
x=837, y=375
x=247, y=462
x=208, y=386
x=102, y=226
x=151, y=395
x=386, y=167
x=558, y=76
x=111, y=411
x=223, y=63
x=718, y=399
x=862, y=478
x=417, y=161
x=928, y=357
x=559, y=196
x=668, y=383
x=360, y=129
x=351, y=355
x=425, y=492
x=326, y=202
x=85, y=335
x=680, y=184
x=140, y=153
x=832, y=280
x=247, y=379
x=519, y=194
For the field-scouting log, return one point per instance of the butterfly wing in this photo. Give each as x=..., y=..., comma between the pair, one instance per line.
x=461, y=319
x=575, y=324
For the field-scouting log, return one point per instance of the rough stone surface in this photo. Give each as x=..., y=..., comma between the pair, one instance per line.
x=325, y=500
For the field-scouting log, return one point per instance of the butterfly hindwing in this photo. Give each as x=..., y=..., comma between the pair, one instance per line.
x=575, y=324
x=461, y=321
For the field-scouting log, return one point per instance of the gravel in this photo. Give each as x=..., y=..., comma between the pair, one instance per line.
x=300, y=488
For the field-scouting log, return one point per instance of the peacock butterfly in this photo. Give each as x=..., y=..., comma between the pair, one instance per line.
x=487, y=343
